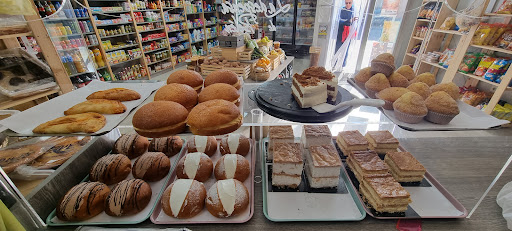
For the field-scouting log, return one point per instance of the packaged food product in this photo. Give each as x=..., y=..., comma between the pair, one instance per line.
x=448, y=24
x=494, y=29
x=504, y=40
x=473, y=98
x=484, y=64
x=470, y=62
x=505, y=8
x=502, y=28
x=494, y=71
x=484, y=29
x=447, y=59
x=416, y=48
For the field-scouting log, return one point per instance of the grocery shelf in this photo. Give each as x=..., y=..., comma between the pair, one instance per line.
x=480, y=79
x=160, y=71
x=423, y=20
x=159, y=49
x=198, y=41
x=82, y=18
x=183, y=40
x=212, y=37
x=210, y=12
x=88, y=33
x=493, y=49
x=173, y=21
x=176, y=30
x=16, y=35
x=418, y=38
x=93, y=45
x=412, y=55
x=142, y=31
x=112, y=12
x=64, y=36
x=138, y=23
x=117, y=35
x=151, y=63
x=146, y=10
x=211, y=24
x=174, y=7
x=113, y=24
x=448, y=31
x=115, y=64
x=194, y=13
x=197, y=27
x=81, y=73
x=434, y=64
x=149, y=40
x=123, y=47
x=495, y=14
x=13, y=102
x=174, y=52
x=58, y=19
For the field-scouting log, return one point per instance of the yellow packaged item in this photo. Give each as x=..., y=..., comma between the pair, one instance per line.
x=481, y=34
x=448, y=24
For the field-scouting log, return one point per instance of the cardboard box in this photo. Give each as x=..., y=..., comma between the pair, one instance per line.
x=231, y=41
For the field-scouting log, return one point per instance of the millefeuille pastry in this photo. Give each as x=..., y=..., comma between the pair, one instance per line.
x=404, y=167
x=279, y=134
x=384, y=194
x=366, y=163
x=382, y=141
x=349, y=141
x=316, y=135
x=323, y=166
x=287, y=165
x=89, y=122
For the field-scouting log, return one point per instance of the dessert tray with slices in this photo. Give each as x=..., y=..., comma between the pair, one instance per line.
x=203, y=213
x=25, y=122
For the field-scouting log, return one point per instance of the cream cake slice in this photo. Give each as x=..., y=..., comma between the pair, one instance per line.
x=316, y=135
x=308, y=91
x=382, y=141
x=323, y=166
x=384, y=194
x=287, y=165
x=326, y=77
x=404, y=167
x=281, y=134
x=366, y=163
x=350, y=141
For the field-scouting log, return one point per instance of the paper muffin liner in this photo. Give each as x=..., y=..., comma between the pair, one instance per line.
x=371, y=93
x=382, y=67
x=388, y=105
x=438, y=118
x=408, y=118
x=360, y=84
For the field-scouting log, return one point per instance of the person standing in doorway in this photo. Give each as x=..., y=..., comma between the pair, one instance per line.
x=344, y=23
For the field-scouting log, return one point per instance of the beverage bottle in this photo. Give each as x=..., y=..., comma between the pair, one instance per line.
x=79, y=62
x=71, y=65
x=52, y=8
x=47, y=9
x=66, y=65
x=40, y=9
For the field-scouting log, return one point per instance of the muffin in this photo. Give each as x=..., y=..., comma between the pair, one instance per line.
x=363, y=76
x=398, y=80
x=407, y=72
x=410, y=108
x=426, y=77
x=390, y=95
x=179, y=93
x=376, y=83
x=383, y=63
x=442, y=108
x=420, y=88
x=450, y=88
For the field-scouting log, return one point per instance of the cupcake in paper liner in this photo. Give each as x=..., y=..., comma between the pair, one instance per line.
x=383, y=63
x=390, y=95
x=363, y=76
x=442, y=108
x=376, y=83
x=410, y=108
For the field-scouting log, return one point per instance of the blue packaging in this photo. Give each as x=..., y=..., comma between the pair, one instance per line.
x=77, y=13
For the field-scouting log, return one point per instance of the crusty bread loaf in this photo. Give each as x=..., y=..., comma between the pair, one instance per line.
x=170, y=146
x=214, y=117
x=120, y=94
x=128, y=197
x=132, y=145
x=102, y=106
x=217, y=202
x=83, y=201
x=204, y=144
x=111, y=169
x=197, y=166
x=235, y=143
x=89, y=122
x=151, y=166
x=232, y=166
x=184, y=207
x=160, y=119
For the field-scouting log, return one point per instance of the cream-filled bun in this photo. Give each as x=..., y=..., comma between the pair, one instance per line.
x=227, y=198
x=232, y=166
x=235, y=143
x=184, y=198
x=196, y=165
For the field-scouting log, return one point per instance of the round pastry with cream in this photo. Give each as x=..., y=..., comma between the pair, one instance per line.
x=227, y=198
x=235, y=143
x=151, y=166
x=111, y=169
x=184, y=198
x=170, y=146
x=128, y=197
x=214, y=117
x=196, y=165
x=232, y=166
x=132, y=145
x=222, y=76
x=83, y=201
x=204, y=144
x=220, y=91
x=187, y=77
x=179, y=93
x=159, y=119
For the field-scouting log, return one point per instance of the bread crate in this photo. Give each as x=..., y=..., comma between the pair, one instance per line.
x=241, y=71
x=216, y=52
x=245, y=55
x=282, y=57
x=274, y=61
x=267, y=44
x=231, y=54
x=207, y=69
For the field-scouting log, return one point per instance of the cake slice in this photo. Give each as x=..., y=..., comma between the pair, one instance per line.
x=384, y=194
x=281, y=134
x=404, y=167
x=308, y=91
x=326, y=77
x=316, y=135
x=382, y=141
x=323, y=166
x=350, y=141
x=366, y=163
x=287, y=165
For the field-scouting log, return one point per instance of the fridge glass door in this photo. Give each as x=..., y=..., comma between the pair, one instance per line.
x=284, y=24
x=305, y=22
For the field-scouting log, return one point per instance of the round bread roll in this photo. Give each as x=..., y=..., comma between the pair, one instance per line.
x=170, y=146
x=220, y=91
x=83, y=201
x=222, y=76
x=235, y=143
x=151, y=166
x=232, y=166
x=160, y=119
x=204, y=144
x=184, y=198
x=179, y=93
x=227, y=198
x=196, y=165
x=132, y=145
x=187, y=77
x=214, y=117
x=111, y=169
x=128, y=197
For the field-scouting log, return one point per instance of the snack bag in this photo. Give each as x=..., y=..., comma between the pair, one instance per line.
x=448, y=24
x=469, y=63
x=502, y=28
x=494, y=29
x=493, y=72
x=449, y=57
x=484, y=64
x=504, y=40
x=505, y=8
x=484, y=29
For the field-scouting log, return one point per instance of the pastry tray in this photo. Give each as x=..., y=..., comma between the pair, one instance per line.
x=204, y=217
x=469, y=118
x=157, y=189
x=309, y=204
x=25, y=121
x=429, y=198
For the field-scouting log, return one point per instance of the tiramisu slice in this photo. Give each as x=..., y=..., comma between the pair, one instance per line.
x=287, y=165
x=349, y=141
x=323, y=165
x=327, y=77
x=316, y=135
x=384, y=194
x=366, y=163
x=281, y=134
x=382, y=141
x=404, y=167
x=308, y=91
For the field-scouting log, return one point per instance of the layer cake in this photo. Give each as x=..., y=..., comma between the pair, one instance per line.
x=323, y=166
x=366, y=164
x=316, y=135
x=308, y=91
x=281, y=134
x=350, y=141
x=384, y=194
x=382, y=141
x=327, y=77
x=287, y=165
x=404, y=167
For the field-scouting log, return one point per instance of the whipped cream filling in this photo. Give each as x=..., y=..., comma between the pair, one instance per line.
x=230, y=161
x=192, y=164
x=227, y=194
x=233, y=142
x=201, y=142
x=179, y=192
